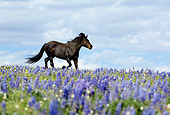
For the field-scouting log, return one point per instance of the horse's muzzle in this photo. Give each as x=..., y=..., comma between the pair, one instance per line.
x=90, y=47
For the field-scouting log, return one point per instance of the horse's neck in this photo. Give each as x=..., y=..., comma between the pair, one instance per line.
x=75, y=47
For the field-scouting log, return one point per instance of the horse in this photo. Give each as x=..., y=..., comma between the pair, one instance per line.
x=66, y=51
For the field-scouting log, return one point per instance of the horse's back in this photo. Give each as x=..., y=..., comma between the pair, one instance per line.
x=56, y=48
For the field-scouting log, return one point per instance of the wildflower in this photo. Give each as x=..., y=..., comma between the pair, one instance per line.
x=43, y=112
x=136, y=93
x=3, y=104
x=118, y=108
x=99, y=106
x=63, y=103
x=58, y=74
x=26, y=108
x=56, y=95
x=5, y=97
x=29, y=88
x=166, y=113
x=72, y=96
x=156, y=98
x=86, y=108
x=48, y=72
x=88, y=91
x=37, y=105
x=16, y=106
x=31, y=101
x=12, y=84
x=149, y=111
x=54, y=107
x=66, y=93
x=168, y=106
x=4, y=86
x=141, y=108
x=30, y=104
x=22, y=100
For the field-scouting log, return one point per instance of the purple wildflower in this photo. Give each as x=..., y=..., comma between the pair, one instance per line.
x=118, y=108
x=3, y=104
x=63, y=103
x=4, y=86
x=54, y=104
x=156, y=98
x=37, y=105
x=149, y=111
x=31, y=101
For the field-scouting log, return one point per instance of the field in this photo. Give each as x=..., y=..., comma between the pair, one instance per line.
x=31, y=91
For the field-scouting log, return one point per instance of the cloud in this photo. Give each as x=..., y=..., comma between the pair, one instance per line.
x=60, y=35
x=124, y=33
x=119, y=59
x=15, y=58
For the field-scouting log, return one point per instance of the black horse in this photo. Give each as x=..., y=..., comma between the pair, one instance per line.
x=67, y=51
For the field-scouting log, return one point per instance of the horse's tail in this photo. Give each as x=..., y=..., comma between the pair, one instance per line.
x=37, y=57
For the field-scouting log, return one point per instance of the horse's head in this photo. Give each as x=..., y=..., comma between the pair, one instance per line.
x=85, y=42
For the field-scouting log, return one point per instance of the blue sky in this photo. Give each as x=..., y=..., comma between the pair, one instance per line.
x=124, y=33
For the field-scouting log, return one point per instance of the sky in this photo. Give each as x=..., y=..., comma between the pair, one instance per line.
x=124, y=33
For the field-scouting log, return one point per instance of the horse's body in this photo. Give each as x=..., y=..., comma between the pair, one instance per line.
x=67, y=51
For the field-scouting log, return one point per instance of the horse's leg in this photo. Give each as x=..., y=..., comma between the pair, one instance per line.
x=69, y=62
x=51, y=62
x=76, y=63
x=46, y=60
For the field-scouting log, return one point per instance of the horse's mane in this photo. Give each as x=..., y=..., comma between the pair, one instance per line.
x=78, y=38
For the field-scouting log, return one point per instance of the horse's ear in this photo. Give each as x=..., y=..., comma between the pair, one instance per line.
x=86, y=36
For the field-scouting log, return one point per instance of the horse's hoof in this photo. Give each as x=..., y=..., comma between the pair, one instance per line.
x=63, y=67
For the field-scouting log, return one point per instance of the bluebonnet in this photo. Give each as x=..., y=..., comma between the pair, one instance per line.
x=168, y=73
x=29, y=88
x=63, y=103
x=66, y=93
x=72, y=113
x=132, y=111
x=142, y=94
x=149, y=111
x=31, y=101
x=4, y=86
x=17, y=82
x=30, y=104
x=58, y=82
x=36, y=81
x=37, y=105
x=106, y=97
x=43, y=112
x=49, y=83
x=99, y=106
x=156, y=98
x=136, y=93
x=166, y=113
x=163, y=74
x=86, y=108
x=3, y=104
x=58, y=74
x=118, y=108
x=129, y=111
x=48, y=72
x=116, y=92
x=53, y=107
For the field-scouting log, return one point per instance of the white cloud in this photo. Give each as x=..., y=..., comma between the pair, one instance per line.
x=15, y=58
x=162, y=68
x=120, y=59
x=122, y=25
x=61, y=35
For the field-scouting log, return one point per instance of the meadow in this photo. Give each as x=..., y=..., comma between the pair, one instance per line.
x=102, y=91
